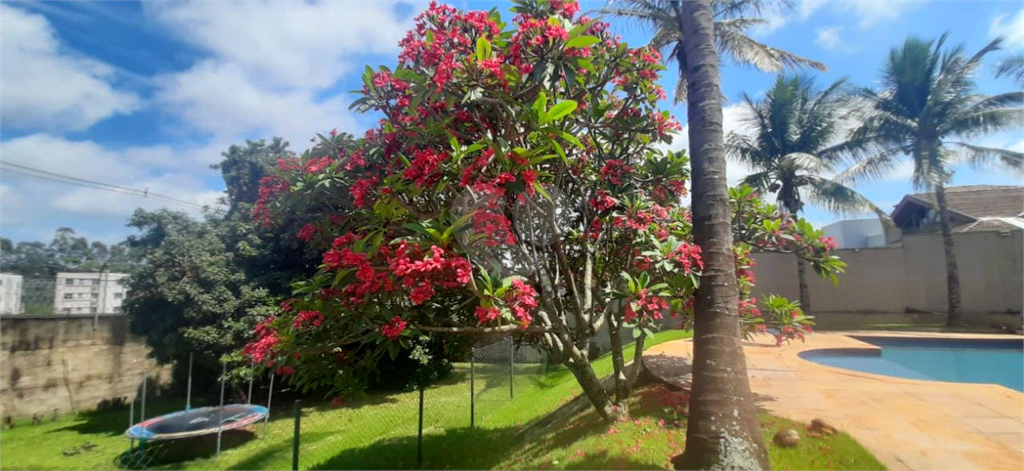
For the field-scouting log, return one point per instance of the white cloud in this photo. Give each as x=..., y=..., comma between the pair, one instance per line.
x=36, y=203
x=733, y=117
x=828, y=38
x=272, y=66
x=290, y=44
x=1012, y=29
x=47, y=87
x=220, y=98
x=867, y=12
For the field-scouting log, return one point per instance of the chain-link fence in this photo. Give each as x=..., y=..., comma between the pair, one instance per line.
x=184, y=425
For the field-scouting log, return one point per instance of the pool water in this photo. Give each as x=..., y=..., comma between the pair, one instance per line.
x=995, y=361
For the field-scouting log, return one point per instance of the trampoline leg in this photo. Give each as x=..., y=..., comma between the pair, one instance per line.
x=220, y=411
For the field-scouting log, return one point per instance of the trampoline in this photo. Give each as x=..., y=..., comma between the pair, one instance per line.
x=196, y=422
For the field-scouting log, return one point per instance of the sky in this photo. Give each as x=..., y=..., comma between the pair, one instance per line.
x=146, y=96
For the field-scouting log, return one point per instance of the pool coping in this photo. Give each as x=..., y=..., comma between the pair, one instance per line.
x=906, y=423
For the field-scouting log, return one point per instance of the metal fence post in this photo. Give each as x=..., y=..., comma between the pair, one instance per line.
x=472, y=387
x=511, y=367
x=419, y=436
x=220, y=410
x=295, y=439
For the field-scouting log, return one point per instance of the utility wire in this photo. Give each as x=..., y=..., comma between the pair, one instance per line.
x=60, y=178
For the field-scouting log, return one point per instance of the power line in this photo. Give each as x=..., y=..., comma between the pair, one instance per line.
x=60, y=178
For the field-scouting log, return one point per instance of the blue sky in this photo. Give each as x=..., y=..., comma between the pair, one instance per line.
x=147, y=95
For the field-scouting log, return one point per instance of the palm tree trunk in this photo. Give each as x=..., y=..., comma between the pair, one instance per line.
x=954, y=317
x=723, y=431
x=801, y=273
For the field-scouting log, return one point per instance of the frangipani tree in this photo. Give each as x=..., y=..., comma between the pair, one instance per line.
x=513, y=186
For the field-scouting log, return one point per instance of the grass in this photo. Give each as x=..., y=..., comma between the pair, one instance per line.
x=380, y=433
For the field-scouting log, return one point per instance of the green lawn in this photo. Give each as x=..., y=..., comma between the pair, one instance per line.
x=380, y=433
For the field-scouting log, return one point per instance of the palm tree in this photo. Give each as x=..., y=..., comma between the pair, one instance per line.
x=1013, y=67
x=928, y=108
x=723, y=430
x=793, y=141
x=730, y=23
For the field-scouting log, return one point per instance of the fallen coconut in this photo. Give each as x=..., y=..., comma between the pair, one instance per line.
x=786, y=438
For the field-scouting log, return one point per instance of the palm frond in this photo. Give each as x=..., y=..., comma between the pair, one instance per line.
x=1012, y=67
x=745, y=50
x=985, y=122
x=839, y=198
x=984, y=157
x=872, y=168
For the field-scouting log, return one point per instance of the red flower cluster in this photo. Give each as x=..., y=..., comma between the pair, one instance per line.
x=306, y=233
x=394, y=328
x=422, y=272
x=749, y=309
x=308, y=318
x=614, y=170
x=262, y=348
x=487, y=314
x=603, y=201
x=361, y=190
x=424, y=164
x=270, y=187
x=687, y=255
x=646, y=305
x=521, y=299
x=317, y=165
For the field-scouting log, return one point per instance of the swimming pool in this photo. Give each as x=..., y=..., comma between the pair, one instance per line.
x=999, y=361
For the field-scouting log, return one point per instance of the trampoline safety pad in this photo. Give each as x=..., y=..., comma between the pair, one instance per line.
x=196, y=422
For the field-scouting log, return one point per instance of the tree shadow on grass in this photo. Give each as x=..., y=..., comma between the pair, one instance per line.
x=462, y=448
x=112, y=422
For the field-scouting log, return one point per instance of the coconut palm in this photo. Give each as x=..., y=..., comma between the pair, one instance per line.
x=791, y=139
x=1013, y=67
x=928, y=109
x=731, y=20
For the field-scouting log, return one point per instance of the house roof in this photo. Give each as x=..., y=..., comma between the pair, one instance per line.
x=992, y=224
x=970, y=203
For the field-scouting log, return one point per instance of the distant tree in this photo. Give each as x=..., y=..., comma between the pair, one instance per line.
x=794, y=135
x=244, y=166
x=189, y=296
x=929, y=109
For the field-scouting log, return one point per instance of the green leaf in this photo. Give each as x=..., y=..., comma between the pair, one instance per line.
x=561, y=109
x=483, y=49
x=569, y=137
x=539, y=105
x=582, y=41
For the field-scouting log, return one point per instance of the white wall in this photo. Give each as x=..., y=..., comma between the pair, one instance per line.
x=10, y=294
x=857, y=233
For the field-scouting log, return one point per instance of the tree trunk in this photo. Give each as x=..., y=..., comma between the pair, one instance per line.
x=618, y=361
x=954, y=317
x=723, y=430
x=591, y=386
x=801, y=274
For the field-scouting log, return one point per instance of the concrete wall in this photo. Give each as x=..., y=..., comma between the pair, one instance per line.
x=911, y=277
x=63, y=363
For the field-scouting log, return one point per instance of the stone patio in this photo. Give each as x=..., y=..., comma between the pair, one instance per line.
x=907, y=424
